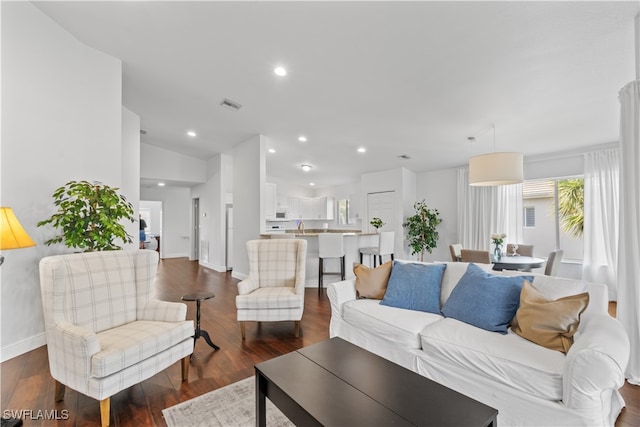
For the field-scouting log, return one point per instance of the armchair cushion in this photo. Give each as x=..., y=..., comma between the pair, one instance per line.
x=270, y=298
x=134, y=342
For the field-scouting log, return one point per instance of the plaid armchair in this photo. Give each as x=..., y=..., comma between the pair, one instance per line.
x=274, y=289
x=105, y=331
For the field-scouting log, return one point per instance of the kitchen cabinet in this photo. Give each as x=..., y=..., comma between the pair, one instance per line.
x=321, y=208
x=270, y=201
x=294, y=208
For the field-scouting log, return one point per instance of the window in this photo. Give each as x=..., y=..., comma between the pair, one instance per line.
x=529, y=219
x=553, y=216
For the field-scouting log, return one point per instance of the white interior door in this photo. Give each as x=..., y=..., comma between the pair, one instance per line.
x=381, y=205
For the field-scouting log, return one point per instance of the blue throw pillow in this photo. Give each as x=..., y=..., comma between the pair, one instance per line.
x=414, y=286
x=485, y=300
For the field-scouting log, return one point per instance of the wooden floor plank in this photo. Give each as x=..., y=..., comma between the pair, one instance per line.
x=26, y=383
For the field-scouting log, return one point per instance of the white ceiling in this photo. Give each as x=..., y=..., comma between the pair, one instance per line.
x=414, y=78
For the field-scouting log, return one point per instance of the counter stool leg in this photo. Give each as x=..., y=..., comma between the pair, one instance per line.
x=320, y=267
x=342, y=266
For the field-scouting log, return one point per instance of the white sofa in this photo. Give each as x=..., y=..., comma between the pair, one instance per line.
x=528, y=384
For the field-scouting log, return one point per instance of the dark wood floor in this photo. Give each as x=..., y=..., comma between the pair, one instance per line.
x=27, y=385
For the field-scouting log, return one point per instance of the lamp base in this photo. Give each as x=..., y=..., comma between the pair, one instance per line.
x=10, y=422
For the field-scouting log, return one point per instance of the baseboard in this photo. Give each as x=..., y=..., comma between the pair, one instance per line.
x=183, y=255
x=215, y=267
x=239, y=276
x=23, y=346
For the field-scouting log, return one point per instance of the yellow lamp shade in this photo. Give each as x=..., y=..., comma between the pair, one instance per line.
x=496, y=169
x=12, y=235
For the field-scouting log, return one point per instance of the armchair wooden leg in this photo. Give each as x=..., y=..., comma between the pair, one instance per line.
x=243, y=330
x=296, y=328
x=105, y=406
x=185, y=368
x=59, y=393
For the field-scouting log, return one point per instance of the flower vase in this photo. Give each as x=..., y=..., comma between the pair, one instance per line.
x=497, y=253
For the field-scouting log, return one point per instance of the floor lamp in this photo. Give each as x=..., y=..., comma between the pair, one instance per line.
x=12, y=236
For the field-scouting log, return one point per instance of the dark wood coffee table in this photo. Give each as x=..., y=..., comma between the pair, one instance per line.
x=335, y=383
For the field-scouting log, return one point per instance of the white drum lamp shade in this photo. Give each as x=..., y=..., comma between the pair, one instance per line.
x=496, y=169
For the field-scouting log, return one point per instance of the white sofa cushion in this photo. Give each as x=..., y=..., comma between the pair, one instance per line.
x=508, y=359
x=398, y=325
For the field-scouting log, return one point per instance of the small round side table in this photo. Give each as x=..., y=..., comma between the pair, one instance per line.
x=198, y=297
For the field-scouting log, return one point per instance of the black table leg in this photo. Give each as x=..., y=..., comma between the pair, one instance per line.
x=201, y=333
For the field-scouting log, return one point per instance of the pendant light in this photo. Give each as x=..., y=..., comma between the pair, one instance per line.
x=493, y=169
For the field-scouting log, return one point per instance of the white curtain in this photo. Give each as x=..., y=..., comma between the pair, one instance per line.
x=483, y=211
x=601, y=195
x=628, y=310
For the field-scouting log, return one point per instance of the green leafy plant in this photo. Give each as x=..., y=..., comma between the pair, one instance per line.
x=376, y=223
x=421, y=229
x=571, y=205
x=89, y=216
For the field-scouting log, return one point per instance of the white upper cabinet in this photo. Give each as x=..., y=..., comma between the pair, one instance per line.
x=311, y=208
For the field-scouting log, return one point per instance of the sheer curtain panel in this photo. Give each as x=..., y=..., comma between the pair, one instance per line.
x=486, y=210
x=601, y=195
x=628, y=311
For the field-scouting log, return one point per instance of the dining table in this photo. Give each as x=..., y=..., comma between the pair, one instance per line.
x=516, y=262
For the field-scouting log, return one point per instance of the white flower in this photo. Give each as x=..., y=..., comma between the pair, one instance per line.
x=498, y=236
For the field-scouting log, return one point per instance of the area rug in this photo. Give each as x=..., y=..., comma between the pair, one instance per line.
x=230, y=406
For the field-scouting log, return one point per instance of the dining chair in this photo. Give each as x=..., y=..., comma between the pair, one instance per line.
x=553, y=262
x=519, y=249
x=472, y=255
x=454, y=250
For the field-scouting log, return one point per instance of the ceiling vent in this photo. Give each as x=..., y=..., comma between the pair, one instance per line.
x=404, y=157
x=143, y=132
x=232, y=105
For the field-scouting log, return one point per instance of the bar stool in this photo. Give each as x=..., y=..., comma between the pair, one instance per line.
x=330, y=245
x=386, y=242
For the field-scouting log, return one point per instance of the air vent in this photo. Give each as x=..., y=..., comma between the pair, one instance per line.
x=232, y=105
x=143, y=132
x=404, y=157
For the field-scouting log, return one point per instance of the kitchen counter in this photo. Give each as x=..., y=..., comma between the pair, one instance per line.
x=315, y=232
x=354, y=240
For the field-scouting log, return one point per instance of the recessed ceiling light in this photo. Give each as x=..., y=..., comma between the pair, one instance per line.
x=161, y=184
x=312, y=184
x=362, y=150
x=302, y=138
x=280, y=71
x=271, y=150
x=306, y=167
x=191, y=133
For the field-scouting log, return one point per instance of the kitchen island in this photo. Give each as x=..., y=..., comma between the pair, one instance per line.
x=353, y=241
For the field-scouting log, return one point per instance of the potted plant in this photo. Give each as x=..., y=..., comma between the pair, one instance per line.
x=421, y=229
x=89, y=216
x=376, y=223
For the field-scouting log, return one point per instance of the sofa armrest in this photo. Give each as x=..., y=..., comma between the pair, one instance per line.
x=70, y=348
x=340, y=293
x=248, y=285
x=595, y=362
x=163, y=311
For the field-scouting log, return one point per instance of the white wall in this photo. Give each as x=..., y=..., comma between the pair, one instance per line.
x=176, y=219
x=249, y=177
x=439, y=190
x=130, y=186
x=61, y=120
x=160, y=164
x=212, y=213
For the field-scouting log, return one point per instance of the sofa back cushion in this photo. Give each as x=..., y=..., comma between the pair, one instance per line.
x=414, y=286
x=485, y=300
